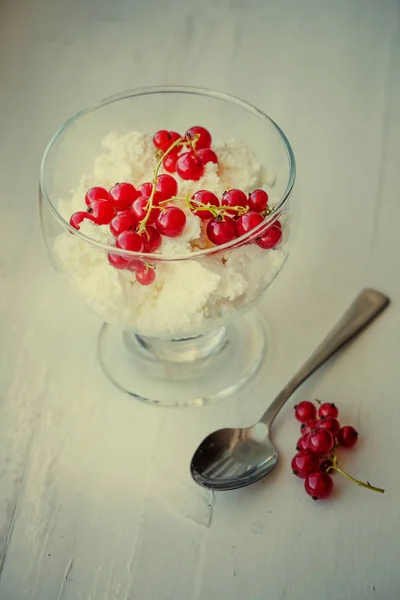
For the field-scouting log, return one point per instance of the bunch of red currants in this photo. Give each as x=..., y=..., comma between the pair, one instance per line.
x=316, y=459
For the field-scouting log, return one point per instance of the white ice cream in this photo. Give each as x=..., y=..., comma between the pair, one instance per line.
x=188, y=295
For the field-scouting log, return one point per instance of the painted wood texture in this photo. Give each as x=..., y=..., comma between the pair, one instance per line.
x=96, y=501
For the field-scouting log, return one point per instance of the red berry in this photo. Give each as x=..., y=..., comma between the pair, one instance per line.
x=207, y=155
x=145, y=275
x=308, y=426
x=117, y=261
x=102, y=212
x=234, y=198
x=96, y=193
x=122, y=195
x=330, y=423
x=140, y=209
x=78, y=217
x=169, y=162
x=221, y=231
x=305, y=410
x=347, y=436
x=135, y=263
x=174, y=137
x=271, y=237
x=258, y=200
x=200, y=199
x=318, y=485
x=163, y=139
x=247, y=222
x=204, y=137
x=320, y=441
x=129, y=240
x=171, y=221
x=328, y=409
x=122, y=221
x=145, y=189
x=151, y=239
x=325, y=465
x=189, y=166
x=167, y=186
x=304, y=463
x=157, y=198
x=302, y=443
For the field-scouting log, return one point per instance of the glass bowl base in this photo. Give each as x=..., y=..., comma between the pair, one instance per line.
x=183, y=372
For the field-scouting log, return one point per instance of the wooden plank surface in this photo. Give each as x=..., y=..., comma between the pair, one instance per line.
x=96, y=501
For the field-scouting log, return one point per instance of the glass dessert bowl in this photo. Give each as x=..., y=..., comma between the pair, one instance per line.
x=177, y=222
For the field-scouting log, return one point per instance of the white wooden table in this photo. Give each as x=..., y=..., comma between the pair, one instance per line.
x=96, y=500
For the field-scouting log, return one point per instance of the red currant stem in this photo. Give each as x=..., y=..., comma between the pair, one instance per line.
x=216, y=211
x=143, y=222
x=193, y=138
x=367, y=485
x=268, y=211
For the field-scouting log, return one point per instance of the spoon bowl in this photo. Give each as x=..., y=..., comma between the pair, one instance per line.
x=228, y=459
x=232, y=458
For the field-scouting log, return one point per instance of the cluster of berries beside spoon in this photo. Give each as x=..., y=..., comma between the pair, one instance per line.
x=139, y=217
x=316, y=460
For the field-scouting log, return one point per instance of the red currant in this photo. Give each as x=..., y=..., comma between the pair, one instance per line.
x=234, y=198
x=318, y=485
x=122, y=221
x=135, y=263
x=169, y=162
x=302, y=443
x=200, y=199
x=96, y=193
x=78, y=217
x=320, y=441
x=167, y=186
x=247, y=222
x=330, y=423
x=258, y=200
x=174, y=137
x=122, y=195
x=117, y=261
x=347, y=436
x=151, y=239
x=129, y=240
x=189, y=166
x=271, y=237
x=204, y=137
x=207, y=155
x=328, y=409
x=308, y=426
x=163, y=139
x=221, y=231
x=145, y=275
x=102, y=212
x=325, y=465
x=145, y=189
x=305, y=410
x=171, y=221
x=140, y=209
x=304, y=463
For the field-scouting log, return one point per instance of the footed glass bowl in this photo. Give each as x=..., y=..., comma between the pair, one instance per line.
x=188, y=337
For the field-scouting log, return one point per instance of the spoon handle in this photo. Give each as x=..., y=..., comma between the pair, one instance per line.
x=368, y=305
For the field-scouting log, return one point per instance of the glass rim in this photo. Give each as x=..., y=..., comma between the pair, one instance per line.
x=171, y=89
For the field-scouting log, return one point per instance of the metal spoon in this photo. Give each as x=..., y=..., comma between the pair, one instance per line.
x=232, y=458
